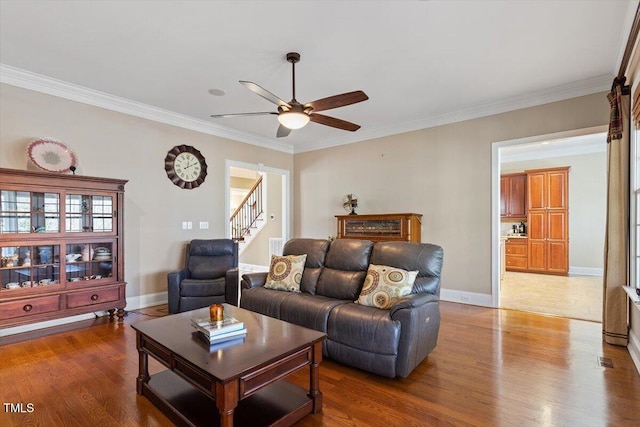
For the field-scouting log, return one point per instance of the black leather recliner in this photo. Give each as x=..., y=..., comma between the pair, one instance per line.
x=210, y=276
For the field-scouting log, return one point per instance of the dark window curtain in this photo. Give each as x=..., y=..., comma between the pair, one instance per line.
x=616, y=251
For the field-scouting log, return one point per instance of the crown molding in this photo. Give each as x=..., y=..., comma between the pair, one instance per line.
x=579, y=146
x=50, y=86
x=43, y=84
x=532, y=99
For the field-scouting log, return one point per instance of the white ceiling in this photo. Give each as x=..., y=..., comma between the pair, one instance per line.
x=422, y=63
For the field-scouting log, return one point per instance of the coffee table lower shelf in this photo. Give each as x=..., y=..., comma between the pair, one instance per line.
x=279, y=404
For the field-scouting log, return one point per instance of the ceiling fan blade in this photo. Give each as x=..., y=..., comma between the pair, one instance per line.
x=337, y=101
x=333, y=122
x=283, y=131
x=259, y=90
x=244, y=114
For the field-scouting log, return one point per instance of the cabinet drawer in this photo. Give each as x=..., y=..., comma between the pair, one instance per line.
x=516, y=262
x=28, y=307
x=516, y=249
x=92, y=297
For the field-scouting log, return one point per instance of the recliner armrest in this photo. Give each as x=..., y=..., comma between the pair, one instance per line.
x=231, y=287
x=412, y=301
x=173, y=288
x=253, y=280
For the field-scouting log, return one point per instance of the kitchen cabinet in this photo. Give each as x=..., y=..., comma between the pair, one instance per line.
x=516, y=254
x=61, y=241
x=405, y=227
x=548, y=220
x=513, y=190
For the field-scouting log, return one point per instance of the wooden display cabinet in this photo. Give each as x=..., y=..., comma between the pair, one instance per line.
x=381, y=227
x=61, y=242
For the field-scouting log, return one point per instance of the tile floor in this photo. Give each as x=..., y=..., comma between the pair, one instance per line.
x=576, y=297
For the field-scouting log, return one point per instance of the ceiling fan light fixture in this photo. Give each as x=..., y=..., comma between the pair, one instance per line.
x=293, y=119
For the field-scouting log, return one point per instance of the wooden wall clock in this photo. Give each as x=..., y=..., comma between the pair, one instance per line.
x=185, y=166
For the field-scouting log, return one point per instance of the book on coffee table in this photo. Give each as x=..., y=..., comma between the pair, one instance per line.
x=220, y=338
x=215, y=329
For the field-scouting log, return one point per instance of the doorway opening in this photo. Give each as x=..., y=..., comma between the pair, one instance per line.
x=518, y=283
x=273, y=222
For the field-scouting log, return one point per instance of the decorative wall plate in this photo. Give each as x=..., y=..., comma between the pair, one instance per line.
x=51, y=155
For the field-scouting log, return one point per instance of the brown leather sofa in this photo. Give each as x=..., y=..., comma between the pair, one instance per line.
x=386, y=342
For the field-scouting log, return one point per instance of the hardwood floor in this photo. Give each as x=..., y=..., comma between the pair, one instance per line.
x=490, y=368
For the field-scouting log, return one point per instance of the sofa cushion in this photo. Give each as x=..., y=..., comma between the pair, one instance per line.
x=211, y=258
x=364, y=328
x=424, y=257
x=345, y=269
x=285, y=273
x=202, y=288
x=384, y=285
x=310, y=311
x=316, y=250
x=264, y=301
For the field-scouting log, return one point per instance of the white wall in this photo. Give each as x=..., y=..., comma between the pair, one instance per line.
x=442, y=172
x=112, y=144
x=587, y=205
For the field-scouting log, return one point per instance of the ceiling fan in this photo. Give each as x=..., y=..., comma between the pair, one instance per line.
x=294, y=115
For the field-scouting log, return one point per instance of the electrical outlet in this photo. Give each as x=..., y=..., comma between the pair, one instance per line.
x=204, y=225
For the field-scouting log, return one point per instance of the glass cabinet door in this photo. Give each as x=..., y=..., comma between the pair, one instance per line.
x=90, y=261
x=29, y=266
x=369, y=227
x=89, y=213
x=29, y=212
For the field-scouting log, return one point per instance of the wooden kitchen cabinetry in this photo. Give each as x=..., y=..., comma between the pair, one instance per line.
x=548, y=220
x=513, y=190
x=516, y=254
x=61, y=241
x=381, y=227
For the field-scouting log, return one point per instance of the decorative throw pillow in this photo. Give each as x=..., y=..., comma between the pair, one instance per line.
x=285, y=272
x=384, y=285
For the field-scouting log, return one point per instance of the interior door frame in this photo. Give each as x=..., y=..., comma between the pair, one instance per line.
x=260, y=167
x=495, y=195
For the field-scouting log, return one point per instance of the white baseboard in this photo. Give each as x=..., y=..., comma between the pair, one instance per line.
x=586, y=271
x=148, y=300
x=133, y=303
x=462, y=297
x=634, y=349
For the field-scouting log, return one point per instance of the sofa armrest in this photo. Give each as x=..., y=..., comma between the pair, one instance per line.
x=231, y=286
x=419, y=317
x=173, y=288
x=413, y=301
x=253, y=280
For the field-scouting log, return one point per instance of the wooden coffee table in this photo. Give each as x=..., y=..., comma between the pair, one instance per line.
x=239, y=383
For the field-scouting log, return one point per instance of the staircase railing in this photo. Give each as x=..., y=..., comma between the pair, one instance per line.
x=247, y=213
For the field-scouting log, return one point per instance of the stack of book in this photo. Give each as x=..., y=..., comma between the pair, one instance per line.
x=227, y=329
